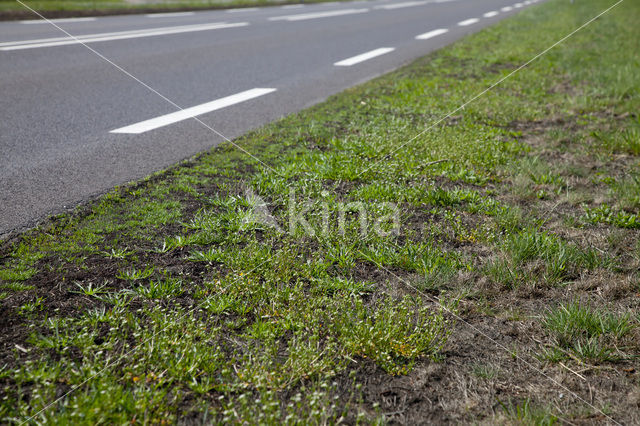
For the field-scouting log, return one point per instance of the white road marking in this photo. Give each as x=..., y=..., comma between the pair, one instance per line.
x=58, y=21
x=169, y=14
x=292, y=6
x=92, y=38
x=468, y=22
x=304, y=16
x=184, y=114
x=363, y=57
x=490, y=14
x=243, y=9
x=432, y=34
x=506, y=9
x=518, y=5
x=401, y=5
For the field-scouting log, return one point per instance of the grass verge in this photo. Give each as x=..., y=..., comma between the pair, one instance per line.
x=10, y=9
x=351, y=281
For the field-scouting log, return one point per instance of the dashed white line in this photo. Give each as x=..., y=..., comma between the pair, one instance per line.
x=184, y=114
x=506, y=9
x=491, y=14
x=92, y=38
x=432, y=34
x=243, y=9
x=58, y=21
x=364, y=57
x=518, y=5
x=401, y=5
x=305, y=16
x=169, y=14
x=468, y=22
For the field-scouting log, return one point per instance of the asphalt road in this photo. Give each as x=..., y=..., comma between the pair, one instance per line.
x=79, y=119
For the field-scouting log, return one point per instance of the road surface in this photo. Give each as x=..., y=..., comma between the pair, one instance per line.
x=91, y=103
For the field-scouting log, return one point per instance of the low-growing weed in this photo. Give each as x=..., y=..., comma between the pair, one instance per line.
x=588, y=333
x=331, y=285
x=625, y=141
x=135, y=274
x=90, y=289
x=527, y=414
x=606, y=214
x=483, y=371
x=162, y=288
x=532, y=254
x=17, y=286
x=394, y=335
x=19, y=273
x=211, y=255
x=177, y=242
x=118, y=253
x=33, y=306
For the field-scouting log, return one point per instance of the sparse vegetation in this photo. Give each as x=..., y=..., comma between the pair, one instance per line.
x=508, y=292
x=588, y=333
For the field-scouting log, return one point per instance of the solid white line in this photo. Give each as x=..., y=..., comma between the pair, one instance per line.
x=491, y=14
x=292, y=6
x=184, y=114
x=304, y=16
x=92, y=38
x=58, y=21
x=506, y=9
x=363, y=57
x=401, y=5
x=432, y=34
x=243, y=9
x=468, y=22
x=169, y=14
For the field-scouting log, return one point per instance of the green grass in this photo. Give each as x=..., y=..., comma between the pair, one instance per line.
x=11, y=8
x=532, y=255
x=527, y=414
x=590, y=334
x=626, y=141
x=605, y=214
x=173, y=298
